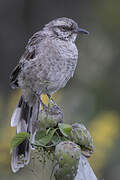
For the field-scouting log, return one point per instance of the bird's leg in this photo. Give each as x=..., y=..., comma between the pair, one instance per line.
x=51, y=100
x=40, y=100
x=43, y=105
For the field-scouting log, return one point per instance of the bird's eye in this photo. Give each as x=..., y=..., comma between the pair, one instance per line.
x=66, y=28
x=63, y=28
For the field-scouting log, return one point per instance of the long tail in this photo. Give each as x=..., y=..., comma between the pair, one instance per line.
x=24, y=117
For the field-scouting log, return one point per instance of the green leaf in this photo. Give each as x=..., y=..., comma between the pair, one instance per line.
x=18, y=139
x=44, y=140
x=56, y=139
x=40, y=134
x=48, y=131
x=65, y=129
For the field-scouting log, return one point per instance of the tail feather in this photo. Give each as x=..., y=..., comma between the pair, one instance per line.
x=34, y=118
x=23, y=117
x=15, y=117
x=20, y=156
x=17, y=113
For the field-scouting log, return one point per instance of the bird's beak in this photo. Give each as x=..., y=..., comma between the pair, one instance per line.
x=83, y=31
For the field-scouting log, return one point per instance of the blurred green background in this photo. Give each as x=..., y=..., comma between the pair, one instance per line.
x=91, y=97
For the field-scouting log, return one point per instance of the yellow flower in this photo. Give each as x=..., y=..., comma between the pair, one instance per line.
x=104, y=130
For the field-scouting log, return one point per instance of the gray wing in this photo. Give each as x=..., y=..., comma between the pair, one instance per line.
x=30, y=53
x=14, y=76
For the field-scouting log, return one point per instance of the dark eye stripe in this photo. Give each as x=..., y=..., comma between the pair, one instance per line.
x=71, y=28
x=67, y=28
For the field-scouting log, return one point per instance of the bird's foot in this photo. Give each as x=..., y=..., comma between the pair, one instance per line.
x=51, y=100
x=43, y=105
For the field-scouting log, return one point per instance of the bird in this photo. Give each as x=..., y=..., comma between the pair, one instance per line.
x=48, y=62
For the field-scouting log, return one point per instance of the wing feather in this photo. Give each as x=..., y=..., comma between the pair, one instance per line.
x=30, y=53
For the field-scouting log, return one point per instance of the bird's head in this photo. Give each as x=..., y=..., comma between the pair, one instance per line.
x=64, y=28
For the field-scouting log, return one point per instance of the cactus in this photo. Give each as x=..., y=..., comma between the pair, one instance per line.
x=67, y=145
x=81, y=136
x=50, y=117
x=67, y=155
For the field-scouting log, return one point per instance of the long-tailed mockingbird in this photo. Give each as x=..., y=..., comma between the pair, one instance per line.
x=49, y=61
